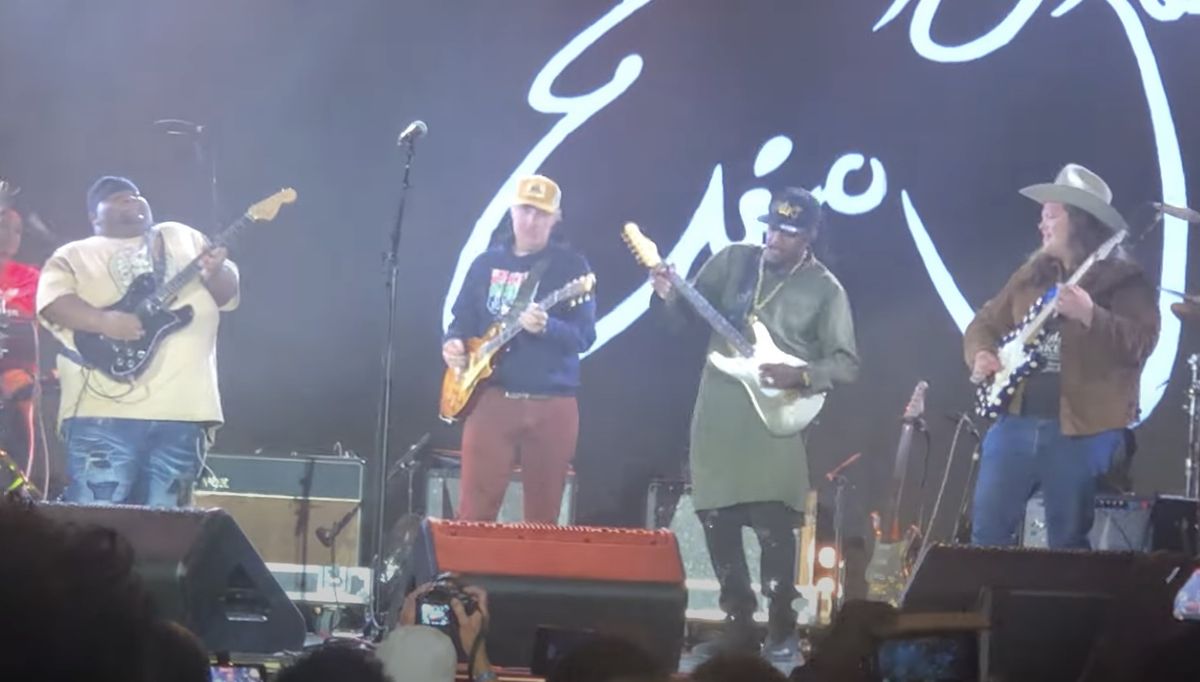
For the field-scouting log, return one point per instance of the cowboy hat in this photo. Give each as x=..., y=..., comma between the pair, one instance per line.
x=1079, y=187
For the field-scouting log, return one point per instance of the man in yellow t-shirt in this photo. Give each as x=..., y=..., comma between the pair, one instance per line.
x=141, y=441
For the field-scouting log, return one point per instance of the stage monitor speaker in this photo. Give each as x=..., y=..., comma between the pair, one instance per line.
x=1046, y=607
x=613, y=581
x=203, y=573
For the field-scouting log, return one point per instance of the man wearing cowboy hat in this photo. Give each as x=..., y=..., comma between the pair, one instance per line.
x=1065, y=427
x=528, y=409
x=742, y=475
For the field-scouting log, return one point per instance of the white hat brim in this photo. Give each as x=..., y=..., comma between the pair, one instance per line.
x=1078, y=198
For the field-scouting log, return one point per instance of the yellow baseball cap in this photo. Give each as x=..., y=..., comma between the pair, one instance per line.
x=539, y=192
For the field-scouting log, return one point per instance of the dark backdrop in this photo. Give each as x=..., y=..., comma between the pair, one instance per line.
x=312, y=95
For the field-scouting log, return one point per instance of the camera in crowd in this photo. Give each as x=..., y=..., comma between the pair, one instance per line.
x=434, y=607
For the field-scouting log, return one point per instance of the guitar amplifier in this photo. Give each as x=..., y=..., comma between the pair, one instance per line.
x=266, y=496
x=1126, y=523
x=442, y=491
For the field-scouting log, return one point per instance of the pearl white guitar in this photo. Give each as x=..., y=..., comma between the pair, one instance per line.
x=783, y=412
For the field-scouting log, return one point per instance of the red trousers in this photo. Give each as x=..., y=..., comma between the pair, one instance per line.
x=501, y=431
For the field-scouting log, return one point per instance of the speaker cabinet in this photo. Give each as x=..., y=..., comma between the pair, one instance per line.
x=613, y=581
x=203, y=573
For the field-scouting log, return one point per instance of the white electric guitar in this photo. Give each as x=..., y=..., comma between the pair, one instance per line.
x=784, y=412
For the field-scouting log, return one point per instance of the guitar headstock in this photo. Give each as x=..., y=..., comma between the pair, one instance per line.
x=916, y=404
x=268, y=208
x=645, y=250
x=579, y=289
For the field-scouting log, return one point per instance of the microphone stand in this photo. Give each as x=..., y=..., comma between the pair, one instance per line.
x=383, y=433
x=840, y=482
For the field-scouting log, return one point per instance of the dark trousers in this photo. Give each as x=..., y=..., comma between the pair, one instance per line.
x=774, y=523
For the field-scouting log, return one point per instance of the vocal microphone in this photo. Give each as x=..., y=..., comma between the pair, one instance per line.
x=964, y=418
x=1182, y=212
x=412, y=132
x=178, y=126
x=325, y=535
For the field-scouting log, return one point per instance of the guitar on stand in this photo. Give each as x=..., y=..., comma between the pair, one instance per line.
x=895, y=550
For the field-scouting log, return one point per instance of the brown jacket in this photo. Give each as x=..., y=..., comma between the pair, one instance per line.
x=1101, y=364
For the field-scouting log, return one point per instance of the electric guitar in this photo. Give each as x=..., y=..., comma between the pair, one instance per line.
x=126, y=360
x=1018, y=349
x=895, y=550
x=459, y=386
x=784, y=412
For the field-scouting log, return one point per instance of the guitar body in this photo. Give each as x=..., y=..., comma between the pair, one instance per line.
x=891, y=566
x=1017, y=361
x=127, y=360
x=783, y=412
x=458, y=387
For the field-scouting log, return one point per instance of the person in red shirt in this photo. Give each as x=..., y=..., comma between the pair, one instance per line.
x=18, y=361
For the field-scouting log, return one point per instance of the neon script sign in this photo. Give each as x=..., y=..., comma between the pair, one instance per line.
x=707, y=227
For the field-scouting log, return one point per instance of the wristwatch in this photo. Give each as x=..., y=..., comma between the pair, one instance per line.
x=486, y=676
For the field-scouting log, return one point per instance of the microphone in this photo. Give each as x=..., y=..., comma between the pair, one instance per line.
x=178, y=126
x=1182, y=212
x=412, y=132
x=326, y=535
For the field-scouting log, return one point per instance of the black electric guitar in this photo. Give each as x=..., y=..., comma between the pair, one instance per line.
x=126, y=360
x=896, y=550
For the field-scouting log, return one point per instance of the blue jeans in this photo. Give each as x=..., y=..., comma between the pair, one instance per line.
x=133, y=461
x=1023, y=454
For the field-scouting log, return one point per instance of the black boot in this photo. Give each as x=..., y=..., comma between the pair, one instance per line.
x=783, y=643
x=737, y=636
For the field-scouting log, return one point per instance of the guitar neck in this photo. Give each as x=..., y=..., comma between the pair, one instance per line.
x=168, y=290
x=715, y=319
x=891, y=514
x=508, y=332
x=1048, y=310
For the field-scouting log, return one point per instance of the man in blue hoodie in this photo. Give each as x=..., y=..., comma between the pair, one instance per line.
x=527, y=411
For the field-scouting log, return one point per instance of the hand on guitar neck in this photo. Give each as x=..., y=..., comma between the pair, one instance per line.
x=660, y=279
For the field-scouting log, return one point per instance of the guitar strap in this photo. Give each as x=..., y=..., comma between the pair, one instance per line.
x=744, y=294
x=156, y=250
x=528, y=288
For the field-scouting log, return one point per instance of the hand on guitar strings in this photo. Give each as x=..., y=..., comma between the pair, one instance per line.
x=784, y=377
x=1076, y=304
x=454, y=353
x=661, y=281
x=121, y=326
x=212, y=261
x=534, y=319
x=986, y=364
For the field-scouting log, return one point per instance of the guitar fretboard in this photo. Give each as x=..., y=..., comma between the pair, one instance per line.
x=1030, y=331
x=509, y=329
x=167, y=291
x=710, y=314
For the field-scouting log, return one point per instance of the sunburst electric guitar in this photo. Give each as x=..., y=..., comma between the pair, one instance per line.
x=459, y=386
x=126, y=360
x=784, y=412
x=896, y=550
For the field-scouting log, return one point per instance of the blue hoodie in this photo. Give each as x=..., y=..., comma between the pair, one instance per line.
x=546, y=363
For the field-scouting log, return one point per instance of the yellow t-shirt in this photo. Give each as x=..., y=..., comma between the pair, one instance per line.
x=181, y=382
